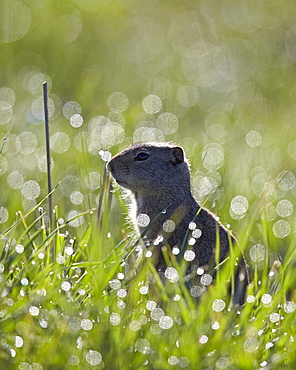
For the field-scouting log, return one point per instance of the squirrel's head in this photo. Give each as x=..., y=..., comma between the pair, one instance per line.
x=151, y=168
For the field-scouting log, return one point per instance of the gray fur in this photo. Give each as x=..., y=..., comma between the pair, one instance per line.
x=160, y=184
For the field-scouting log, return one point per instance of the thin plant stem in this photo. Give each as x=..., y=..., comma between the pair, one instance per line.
x=47, y=139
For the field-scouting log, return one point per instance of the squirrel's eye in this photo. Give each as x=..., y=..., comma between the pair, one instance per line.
x=142, y=156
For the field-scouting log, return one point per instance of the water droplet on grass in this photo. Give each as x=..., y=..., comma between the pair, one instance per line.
x=173, y=360
x=143, y=290
x=206, y=279
x=34, y=310
x=171, y=274
x=135, y=325
x=286, y=180
x=15, y=180
x=31, y=190
x=251, y=299
x=216, y=325
x=196, y=233
x=257, y=253
x=292, y=150
x=266, y=299
x=76, y=120
x=289, y=306
x=166, y=322
x=115, y=284
x=239, y=206
x=200, y=271
x=169, y=226
x=253, y=139
x=74, y=360
x=122, y=293
x=167, y=123
x=203, y=339
x=281, y=229
x=143, y=346
x=156, y=314
x=143, y=220
x=175, y=251
x=24, y=281
x=115, y=319
x=152, y=104
x=118, y=102
x=196, y=291
x=284, y=208
x=70, y=108
x=151, y=305
x=189, y=255
x=183, y=362
x=218, y=305
x=93, y=358
x=251, y=345
x=86, y=324
x=66, y=286
x=19, y=248
x=18, y=341
x=274, y=317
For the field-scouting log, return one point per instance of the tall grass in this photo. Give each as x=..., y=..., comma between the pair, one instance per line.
x=87, y=309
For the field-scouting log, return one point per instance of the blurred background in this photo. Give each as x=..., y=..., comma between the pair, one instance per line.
x=218, y=78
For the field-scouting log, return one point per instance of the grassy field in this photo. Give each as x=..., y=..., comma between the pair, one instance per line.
x=68, y=300
x=217, y=79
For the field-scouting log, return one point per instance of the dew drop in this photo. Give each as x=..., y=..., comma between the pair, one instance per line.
x=143, y=346
x=143, y=220
x=34, y=311
x=175, y=251
x=166, y=322
x=118, y=102
x=196, y=233
x=257, y=253
x=171, y=274
x=218, y=305
x=206, y=279
x=24, y=281
x=143, y=290
x=19, y=248
x=152, y=104
x=251, y=345
x=74, y=360
x=151, y=305
x=274, y=317
x=76, y=120
x=281, y=229
x=86, y=324
x=173, y=360
x=253, y=139
x=169, y=226
x=135, y=325
x=189, y=255
x=93, y=358
x=156, y=314
x=66, y=286
x=18, y=341
x=203, y=339
x=115, y=319
x=266, y=299
x=289, y=306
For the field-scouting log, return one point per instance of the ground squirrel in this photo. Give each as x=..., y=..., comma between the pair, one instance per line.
x=158, y=176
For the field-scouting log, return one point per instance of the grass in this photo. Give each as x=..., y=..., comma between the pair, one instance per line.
x=227, y=72
x=67, y=301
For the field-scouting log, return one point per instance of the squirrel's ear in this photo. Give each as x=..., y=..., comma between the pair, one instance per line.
x=178, y=155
